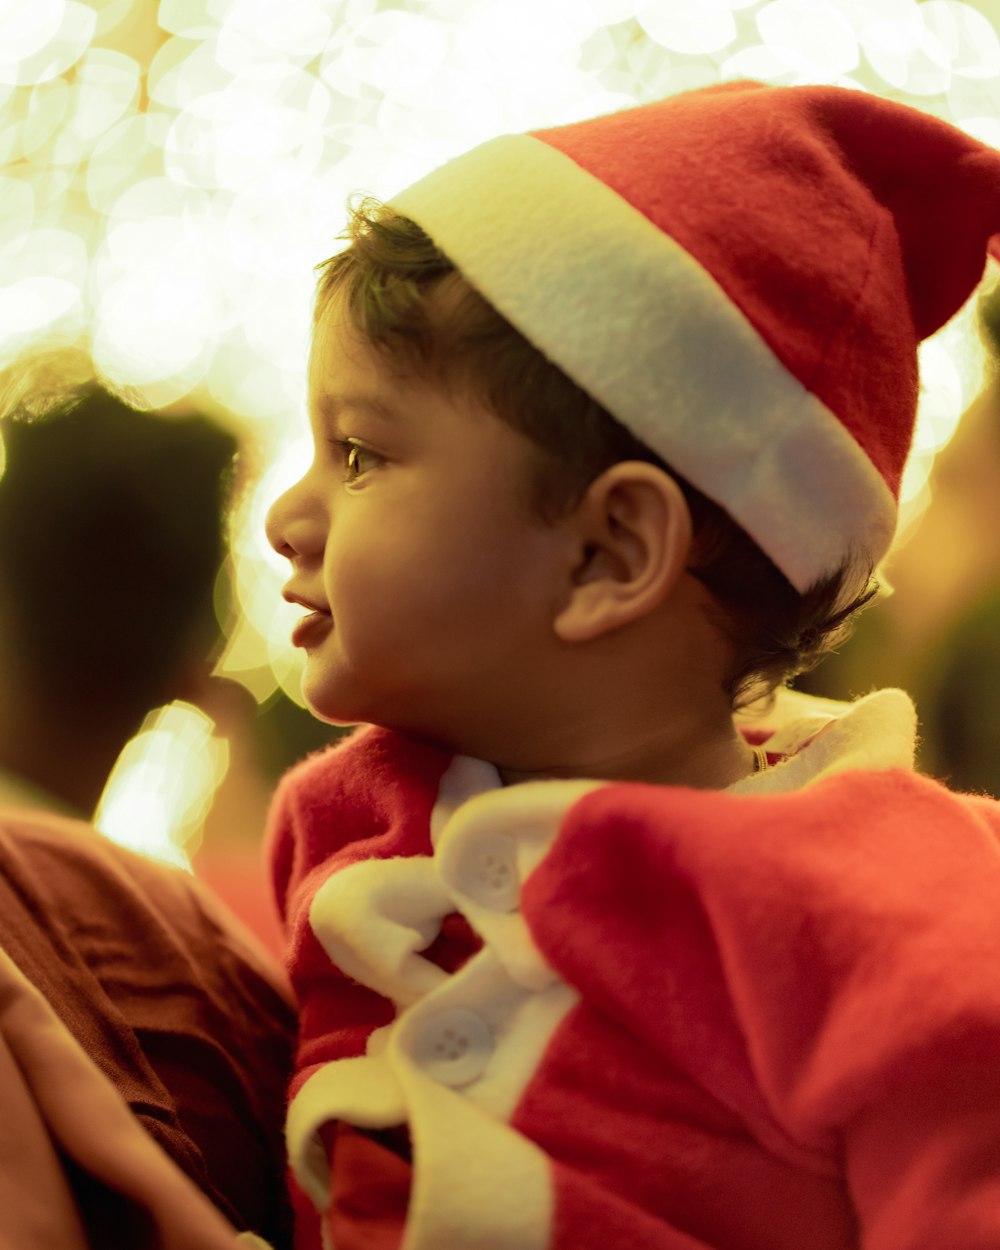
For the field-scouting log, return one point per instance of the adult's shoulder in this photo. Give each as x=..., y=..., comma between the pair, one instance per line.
x=169, y=996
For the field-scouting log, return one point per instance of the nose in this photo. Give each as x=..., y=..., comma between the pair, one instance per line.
x=292, y=526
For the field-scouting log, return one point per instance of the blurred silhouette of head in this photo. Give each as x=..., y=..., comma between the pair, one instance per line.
x=111, y=538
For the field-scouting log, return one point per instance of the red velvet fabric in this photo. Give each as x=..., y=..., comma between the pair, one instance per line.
x=814, y=209
x=787, y=1028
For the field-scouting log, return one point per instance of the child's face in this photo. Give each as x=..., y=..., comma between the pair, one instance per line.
x=431, y=582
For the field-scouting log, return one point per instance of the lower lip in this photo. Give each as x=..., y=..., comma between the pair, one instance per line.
x=312, y=629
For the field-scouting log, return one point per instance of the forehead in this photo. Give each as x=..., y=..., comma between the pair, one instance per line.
x=346, y=370
x=415, y=334
x=337, y=345
x=342, y=364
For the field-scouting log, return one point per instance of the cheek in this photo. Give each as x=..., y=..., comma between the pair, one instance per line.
x=383, y=582
x=445, y=572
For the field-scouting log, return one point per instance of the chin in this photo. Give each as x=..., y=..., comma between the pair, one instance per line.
x=333, y=712
x=344, y=708
x=333, y=703
x=344, y=713
x=341, y=722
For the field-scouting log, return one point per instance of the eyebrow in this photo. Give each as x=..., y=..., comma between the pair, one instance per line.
x=333, y=406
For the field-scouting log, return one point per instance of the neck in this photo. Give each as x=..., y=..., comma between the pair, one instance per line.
x=627, y=709
x=706, y=753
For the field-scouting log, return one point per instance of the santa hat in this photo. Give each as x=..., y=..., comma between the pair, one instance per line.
x=740, y=275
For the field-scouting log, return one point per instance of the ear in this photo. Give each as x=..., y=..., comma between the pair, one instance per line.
x=632, y=534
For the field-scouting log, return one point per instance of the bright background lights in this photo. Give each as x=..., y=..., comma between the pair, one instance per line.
x=171, y=173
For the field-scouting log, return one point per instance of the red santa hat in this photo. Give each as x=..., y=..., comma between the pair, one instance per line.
x=740, y=275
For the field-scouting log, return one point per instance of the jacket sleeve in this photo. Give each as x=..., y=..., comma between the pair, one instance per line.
x=825, y=961
x=62, y=1117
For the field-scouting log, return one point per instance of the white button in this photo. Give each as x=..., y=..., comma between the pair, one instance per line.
x=453, y=1046
x=487, y=872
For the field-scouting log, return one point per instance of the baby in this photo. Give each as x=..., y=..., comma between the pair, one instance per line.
x=609, y=424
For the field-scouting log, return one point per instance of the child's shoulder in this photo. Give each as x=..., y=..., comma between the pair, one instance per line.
x=364, y=762
x=373, y=788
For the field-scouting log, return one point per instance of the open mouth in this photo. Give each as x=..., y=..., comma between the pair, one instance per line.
x=312, y=628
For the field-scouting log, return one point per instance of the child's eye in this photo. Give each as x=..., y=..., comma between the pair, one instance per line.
x=357, y=459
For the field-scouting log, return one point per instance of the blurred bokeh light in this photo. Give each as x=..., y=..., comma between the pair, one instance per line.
x=163, y=784
x=171, y=173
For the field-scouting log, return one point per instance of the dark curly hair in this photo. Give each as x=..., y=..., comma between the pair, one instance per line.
x=406, y=298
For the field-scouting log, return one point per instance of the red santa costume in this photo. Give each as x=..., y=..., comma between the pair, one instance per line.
x=751, y=1020
x=609, y=1014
